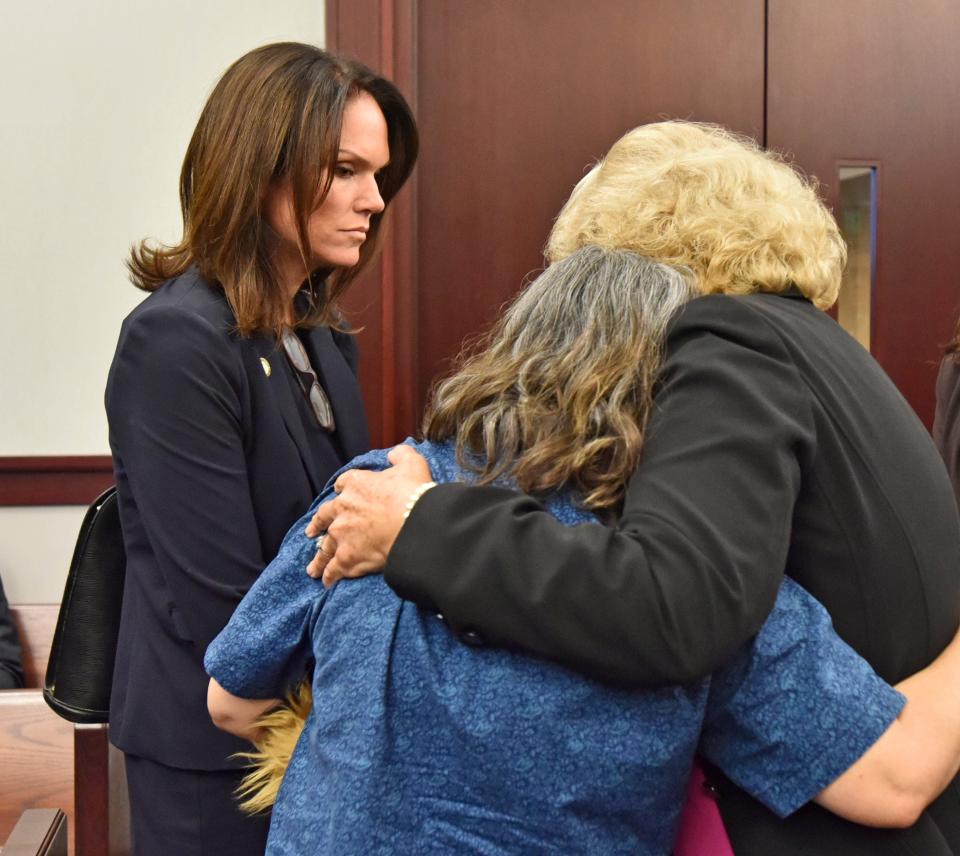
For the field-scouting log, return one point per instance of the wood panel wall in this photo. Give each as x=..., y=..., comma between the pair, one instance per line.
x=877, y=81
x=515, y=101
x=383, y=301
x=51, y=480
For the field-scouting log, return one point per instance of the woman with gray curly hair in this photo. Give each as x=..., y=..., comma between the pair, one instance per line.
x=461, y=750
x=775, y=445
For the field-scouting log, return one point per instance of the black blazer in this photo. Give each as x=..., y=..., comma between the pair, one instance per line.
x=216, y=453
x=777, y=444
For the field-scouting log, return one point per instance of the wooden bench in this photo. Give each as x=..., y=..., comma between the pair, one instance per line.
x=47, y=762
x=39, y=832
x=35, y=624
x=36, y=759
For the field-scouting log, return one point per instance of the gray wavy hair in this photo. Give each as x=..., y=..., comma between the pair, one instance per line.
x=559, y=391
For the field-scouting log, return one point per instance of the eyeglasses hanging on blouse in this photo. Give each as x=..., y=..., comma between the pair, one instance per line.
x=307, y=378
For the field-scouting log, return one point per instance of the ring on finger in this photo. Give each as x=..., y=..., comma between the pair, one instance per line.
x=321, y=538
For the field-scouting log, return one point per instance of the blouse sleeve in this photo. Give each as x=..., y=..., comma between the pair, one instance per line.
x=264, y=649
x=693, y=567
x=175, y=407
x=796, y=708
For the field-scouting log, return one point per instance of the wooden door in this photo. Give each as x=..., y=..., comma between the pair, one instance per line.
x=876, y=82
x=515, y=100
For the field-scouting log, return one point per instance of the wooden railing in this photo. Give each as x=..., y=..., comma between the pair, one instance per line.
x=47, y=762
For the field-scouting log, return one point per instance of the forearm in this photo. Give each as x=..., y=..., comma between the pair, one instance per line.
x=235, y=715
x=265, y=647
x=693, y=567
x=914, y=760
x=605, y=602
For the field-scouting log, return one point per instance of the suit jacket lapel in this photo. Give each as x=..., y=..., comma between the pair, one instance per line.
x=287, y=403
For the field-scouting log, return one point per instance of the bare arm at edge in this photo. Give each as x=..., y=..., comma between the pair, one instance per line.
x=914, y=760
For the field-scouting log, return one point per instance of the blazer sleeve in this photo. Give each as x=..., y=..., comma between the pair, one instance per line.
x=692, y=569
x=174, y=402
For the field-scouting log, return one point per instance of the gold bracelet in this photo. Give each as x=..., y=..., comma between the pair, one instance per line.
x=415, y=496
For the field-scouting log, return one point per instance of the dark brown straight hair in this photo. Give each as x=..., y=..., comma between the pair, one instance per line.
x=276, y=113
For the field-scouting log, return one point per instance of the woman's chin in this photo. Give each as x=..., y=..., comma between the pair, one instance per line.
x=345, y=259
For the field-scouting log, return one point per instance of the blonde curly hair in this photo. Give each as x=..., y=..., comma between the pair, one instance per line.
x=698, y=196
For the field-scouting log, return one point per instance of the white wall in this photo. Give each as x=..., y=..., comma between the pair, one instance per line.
x=35, y=549
x=98, y=102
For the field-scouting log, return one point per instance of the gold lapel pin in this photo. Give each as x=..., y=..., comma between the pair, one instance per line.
x=266, y=366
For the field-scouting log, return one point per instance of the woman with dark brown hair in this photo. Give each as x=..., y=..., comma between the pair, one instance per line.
x=233, y=397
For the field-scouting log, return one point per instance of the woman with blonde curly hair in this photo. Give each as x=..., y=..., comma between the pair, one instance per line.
x=775, y=445
x=699, y=196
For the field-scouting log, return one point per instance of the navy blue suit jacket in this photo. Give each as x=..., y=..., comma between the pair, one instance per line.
x=216, y=453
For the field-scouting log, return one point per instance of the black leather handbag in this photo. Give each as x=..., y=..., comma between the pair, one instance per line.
x=80, y=669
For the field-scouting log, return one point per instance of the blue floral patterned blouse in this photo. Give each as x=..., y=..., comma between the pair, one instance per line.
x=418, y=744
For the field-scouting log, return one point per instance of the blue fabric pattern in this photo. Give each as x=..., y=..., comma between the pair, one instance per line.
x=418, y=744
